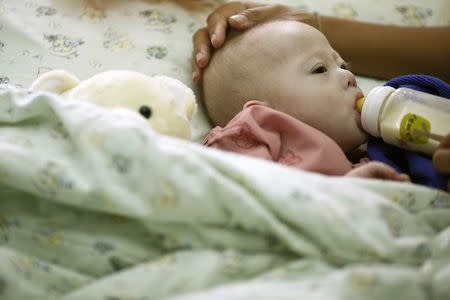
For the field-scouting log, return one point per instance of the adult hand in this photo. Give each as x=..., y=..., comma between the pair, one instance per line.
x=377, y=170
x=441, y=158
x=237, y=15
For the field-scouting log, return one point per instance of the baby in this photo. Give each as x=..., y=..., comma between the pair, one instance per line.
x=302, y=109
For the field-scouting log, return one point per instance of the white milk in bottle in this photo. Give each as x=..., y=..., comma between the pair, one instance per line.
x=406, y=118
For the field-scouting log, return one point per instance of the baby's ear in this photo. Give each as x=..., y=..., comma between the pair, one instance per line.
x=256, y=102
x=55, y=81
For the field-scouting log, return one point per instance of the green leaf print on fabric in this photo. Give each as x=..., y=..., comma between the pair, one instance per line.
x=63, y=46
x=45, y=11
x=414, y=15
x=156, y=52
x=157, y=20
x=4, y=79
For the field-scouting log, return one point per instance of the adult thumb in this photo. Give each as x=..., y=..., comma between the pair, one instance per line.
x=253, y=16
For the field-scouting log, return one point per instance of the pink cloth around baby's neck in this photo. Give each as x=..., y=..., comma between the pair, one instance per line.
x=263, y=132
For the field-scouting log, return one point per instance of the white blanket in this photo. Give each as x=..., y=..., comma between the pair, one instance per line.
x=95, y=205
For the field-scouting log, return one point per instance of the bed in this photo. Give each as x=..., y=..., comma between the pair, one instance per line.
x=95, y=205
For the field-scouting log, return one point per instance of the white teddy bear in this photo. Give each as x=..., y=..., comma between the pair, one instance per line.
x=166, y=103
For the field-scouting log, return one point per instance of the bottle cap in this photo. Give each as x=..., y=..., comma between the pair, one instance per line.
x=372, y=107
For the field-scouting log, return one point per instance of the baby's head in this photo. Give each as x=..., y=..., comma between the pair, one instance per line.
x=291, y=67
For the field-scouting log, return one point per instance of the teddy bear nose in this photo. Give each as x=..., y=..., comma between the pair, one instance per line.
x=145, y=111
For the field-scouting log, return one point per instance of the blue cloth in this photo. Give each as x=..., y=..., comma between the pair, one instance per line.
x=417, y=166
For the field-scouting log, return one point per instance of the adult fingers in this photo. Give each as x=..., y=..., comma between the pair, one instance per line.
x=196, y=72
x=441, y=160
x=201, y=54
x=260, y=14
x=445, y=143
x=441, y=157
x=252, y=16
x=202, y=47
x=218, y=21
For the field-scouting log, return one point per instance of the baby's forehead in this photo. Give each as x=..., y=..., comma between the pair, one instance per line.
x=288, y=36
x=284, y=30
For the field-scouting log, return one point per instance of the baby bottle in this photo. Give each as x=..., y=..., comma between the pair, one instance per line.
x=405, y=117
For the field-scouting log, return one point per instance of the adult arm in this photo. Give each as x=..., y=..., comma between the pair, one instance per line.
x=386, y=51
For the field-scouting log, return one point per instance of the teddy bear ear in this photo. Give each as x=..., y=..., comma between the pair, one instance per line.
x=55, y=81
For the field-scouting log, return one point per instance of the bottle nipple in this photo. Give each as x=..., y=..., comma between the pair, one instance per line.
x=359, y=104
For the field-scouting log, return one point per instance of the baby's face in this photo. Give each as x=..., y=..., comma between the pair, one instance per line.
x=312, y=83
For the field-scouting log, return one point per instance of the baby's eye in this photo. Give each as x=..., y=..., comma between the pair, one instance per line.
x=319, y=70
x=344, y=66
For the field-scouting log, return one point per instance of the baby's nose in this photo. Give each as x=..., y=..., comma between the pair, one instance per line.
x=350, y=80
